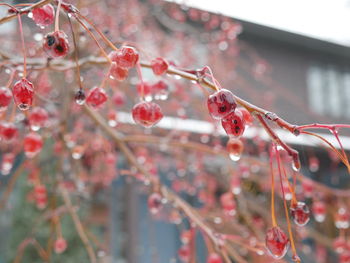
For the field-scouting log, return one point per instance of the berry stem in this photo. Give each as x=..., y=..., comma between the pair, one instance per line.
x=273, y=215
x=139, y=73
x=108, y=42
x=341, y=157
x=295, y=254
x=57, y=21
x=76, y=53
x=23, y=46
x=291, y=152
x=94, y=38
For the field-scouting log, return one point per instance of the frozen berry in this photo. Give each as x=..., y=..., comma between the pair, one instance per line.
x=119, y=98
x=8, y=131
x=60, y=245
x=126, y=57
x=145, y=89
x=44, y=16
x=159, y=66
x=246, y=116
x=147, y=114
x=118, y=73
x=319, y=211
x=221, y=103
x=300, y=213
x=214, y=258
x=96, y=97
x=154, y=203
x=23, y=93
x=33, y=143
x=184, y=253
x=234, y=124
x=277, y=242
x=5, y=98
x=38, y=118
x=56, y=44
x=228, y=203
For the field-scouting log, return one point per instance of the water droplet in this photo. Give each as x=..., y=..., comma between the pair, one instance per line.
x=35, y=127
x=112, y=123
x=30, y=15
x=235, y=157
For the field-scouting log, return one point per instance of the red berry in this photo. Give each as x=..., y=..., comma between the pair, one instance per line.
x=160, y=90
x=308, y=187
x=117, y=72
x=96, y=97
x=234, y=124
x=300, y=213
x=246, y=116
x=235, y=148
x=126, y=57
x=7, y=163
x=60, y=245
x=159, y=66
x=214, y=258
x=23, y=93
x=277, y=242
x=56, y=44
x=344, y=257
x=221, y=103
x=44, y=16
x=33, y=143
x=228, y=203
x=342, y=218
x=40, y=195
x=184, y=253
x=154, y=203
x=119, y=98
x=38, y=118
x=339, y=244
x=147, y=114
x=8, y=131
x=5, y=98
x=319, y=211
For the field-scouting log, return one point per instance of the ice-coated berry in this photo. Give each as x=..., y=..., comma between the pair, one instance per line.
x=44, y=16
x=221, y=103
x=154, y=203
x=5, y=98
x=159, y=66
x=234, y=124
x=214, y=258
x=126, y=57
x=117, y=72
x=277, y=242
x=8, y=131
x=147, y=114
x=56, y=44
x=38, y=118
x=33, y=143
x=23, y=94
x=96, y=97
x=300, y=213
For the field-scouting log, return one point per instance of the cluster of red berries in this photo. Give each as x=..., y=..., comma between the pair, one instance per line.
x=122, y=60
x=222, y=106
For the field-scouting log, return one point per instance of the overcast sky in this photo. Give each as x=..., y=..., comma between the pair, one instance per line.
x=324, y=19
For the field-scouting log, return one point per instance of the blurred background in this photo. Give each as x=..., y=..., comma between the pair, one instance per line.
x=291, y=57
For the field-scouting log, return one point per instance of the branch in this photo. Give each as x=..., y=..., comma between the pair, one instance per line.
x=24, y=10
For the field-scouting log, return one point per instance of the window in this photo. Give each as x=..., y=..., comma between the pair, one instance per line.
x=329, y=90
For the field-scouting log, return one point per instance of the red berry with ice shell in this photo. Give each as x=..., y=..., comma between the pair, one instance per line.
x=56, y=44
x=23, y=94
x=147, y=114
x=43, y=16
x=221, y=103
